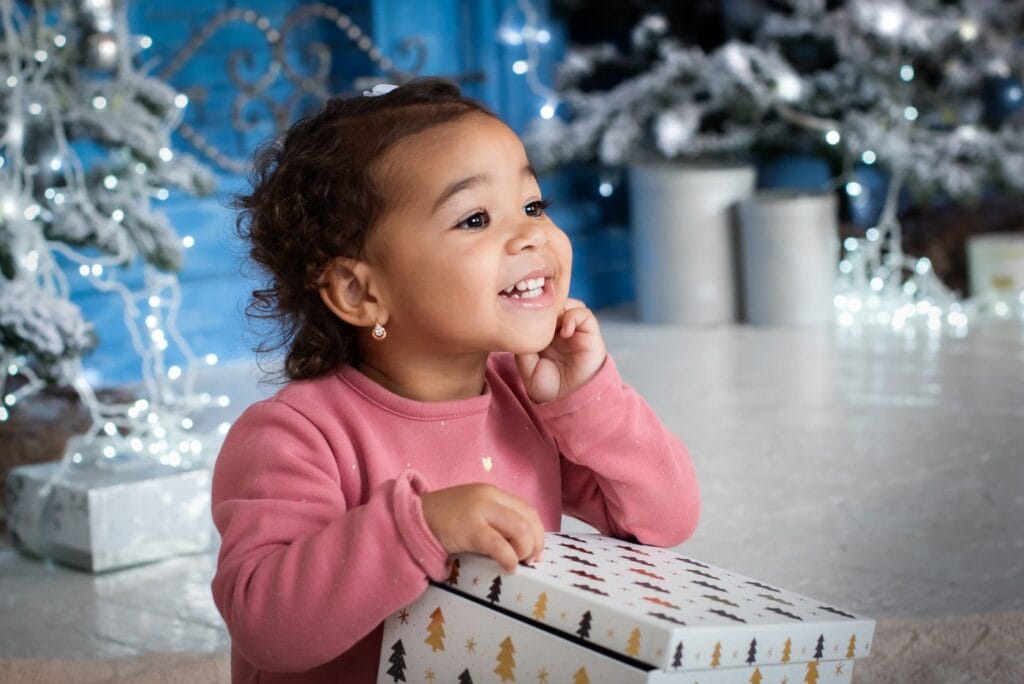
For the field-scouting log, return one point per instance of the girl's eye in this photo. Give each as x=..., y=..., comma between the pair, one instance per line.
x=480, y=219
x=538, y=208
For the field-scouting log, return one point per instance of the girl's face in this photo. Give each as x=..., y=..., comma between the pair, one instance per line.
x=465, y=234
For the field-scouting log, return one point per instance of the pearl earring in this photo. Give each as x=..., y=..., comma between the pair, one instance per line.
x=378, y=332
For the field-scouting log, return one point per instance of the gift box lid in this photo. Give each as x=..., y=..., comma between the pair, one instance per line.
x=661, y=608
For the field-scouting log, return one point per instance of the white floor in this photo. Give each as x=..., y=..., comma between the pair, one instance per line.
x=876, y=471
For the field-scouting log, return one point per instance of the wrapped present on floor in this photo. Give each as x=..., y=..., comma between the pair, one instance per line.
x=100, y=517
x=597, y=609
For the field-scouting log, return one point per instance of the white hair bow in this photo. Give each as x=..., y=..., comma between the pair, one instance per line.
x=379, y=89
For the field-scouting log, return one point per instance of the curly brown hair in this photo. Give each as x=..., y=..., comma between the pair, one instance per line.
x=316, y=196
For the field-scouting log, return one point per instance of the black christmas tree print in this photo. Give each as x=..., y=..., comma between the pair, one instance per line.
x=819, y=651
x=397, y=661
x=495, y=591
x=464, y=677
x=583, y=631
x=677, y=658
x=453, y=577
x=752, y=652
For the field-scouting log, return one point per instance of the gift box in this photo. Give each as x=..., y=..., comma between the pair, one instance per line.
x=100, y=518
x=597, y=609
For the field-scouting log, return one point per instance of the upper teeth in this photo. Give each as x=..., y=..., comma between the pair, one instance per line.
x=524, y=285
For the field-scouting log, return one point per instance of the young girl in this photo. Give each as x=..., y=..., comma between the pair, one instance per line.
x=446, y=395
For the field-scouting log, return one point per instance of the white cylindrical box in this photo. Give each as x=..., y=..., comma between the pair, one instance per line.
x=995, y=264
x=683, y=258
x=789, y=249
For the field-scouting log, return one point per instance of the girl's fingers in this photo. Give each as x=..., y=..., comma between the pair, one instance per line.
x=491, y=542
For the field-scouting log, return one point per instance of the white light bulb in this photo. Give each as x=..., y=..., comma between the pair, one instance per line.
x=850, y=244
x=188, y=241
x=174, y=372
x=832, y=137
x=56, y=164
x=109, y=451
x=166, y=154
x=83, y=270
x=145, y=42
x=58, y=198
x=162, y=194
x=140, y=168
x=99, y=102
x=110, y=182
x=30, y=213
x=60, y=40
x=510, y=36
x=151, y=321
x=117, y=215
x=890, y=19
x=223, y=400
x=10, y=399
x=41, y=56
x=35, y=109
x=181, y=100
x=187, y=424
x=869, y=157
x=605, y=189
x=107, y=48
x=520, y=66
x=96, y=270
x=211, y=359
x=543, y=36
x=853, y=189
x=872, y=234
x=910, y=113
x=109, y=428
x=153, y=301
x=907, y=72
x=12, y=81
x=4, y=415
x=547, y=111
x=789, y=87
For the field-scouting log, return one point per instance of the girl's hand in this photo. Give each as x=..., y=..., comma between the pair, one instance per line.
x=574, y=356
x=487, y=520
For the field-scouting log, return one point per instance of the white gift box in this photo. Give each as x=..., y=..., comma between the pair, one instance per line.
x=597, y=609
x=100, y=519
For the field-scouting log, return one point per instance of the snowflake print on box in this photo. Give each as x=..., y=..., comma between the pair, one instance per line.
x=598, y=609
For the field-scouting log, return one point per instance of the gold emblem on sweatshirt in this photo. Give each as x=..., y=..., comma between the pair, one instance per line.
x=486, y=460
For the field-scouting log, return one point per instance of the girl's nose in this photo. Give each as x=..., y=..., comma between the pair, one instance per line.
x=529, y=234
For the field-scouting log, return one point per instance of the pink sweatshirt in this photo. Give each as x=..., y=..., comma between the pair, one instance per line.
x=315, y=495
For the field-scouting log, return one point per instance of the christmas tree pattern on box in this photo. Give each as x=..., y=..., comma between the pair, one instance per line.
x=448, y=637
x=663, y=609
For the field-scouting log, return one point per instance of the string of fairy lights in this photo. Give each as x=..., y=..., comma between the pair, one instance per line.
x=159, y=425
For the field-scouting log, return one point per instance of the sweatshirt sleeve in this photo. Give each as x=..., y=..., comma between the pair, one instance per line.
x=302, y=574
x=622, y=471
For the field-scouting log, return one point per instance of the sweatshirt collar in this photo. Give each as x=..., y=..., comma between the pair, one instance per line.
x=412, y=408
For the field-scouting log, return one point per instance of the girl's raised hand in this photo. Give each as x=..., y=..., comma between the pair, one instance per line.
x=484, y=519
x=574, y=356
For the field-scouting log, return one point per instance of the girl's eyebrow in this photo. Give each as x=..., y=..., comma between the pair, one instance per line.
x=468, y=182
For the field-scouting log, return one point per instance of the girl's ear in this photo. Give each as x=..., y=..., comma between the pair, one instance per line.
x=347, y=290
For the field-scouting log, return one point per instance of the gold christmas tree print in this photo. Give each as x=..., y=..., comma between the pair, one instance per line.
x=633, y=645
x=540, y=608
x=756, y=677
x=436, y=630
x=812, y=672
x=580, y=676
x=716, y=657
x=786, y=649
x=506, y=661
x=851, y=649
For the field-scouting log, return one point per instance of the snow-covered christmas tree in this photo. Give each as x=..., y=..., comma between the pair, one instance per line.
x=928, y=90
x=924, y=89
x=85, y=149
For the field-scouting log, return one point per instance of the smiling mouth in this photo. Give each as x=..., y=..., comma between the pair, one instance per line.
x=525, y=289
